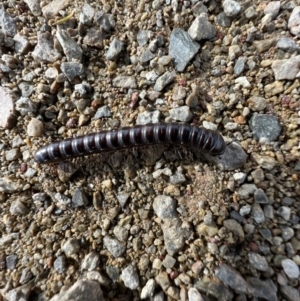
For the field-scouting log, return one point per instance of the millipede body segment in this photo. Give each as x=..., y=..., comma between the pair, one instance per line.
x=203, y=139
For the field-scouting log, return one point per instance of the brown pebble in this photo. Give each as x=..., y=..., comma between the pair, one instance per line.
x=239, y=120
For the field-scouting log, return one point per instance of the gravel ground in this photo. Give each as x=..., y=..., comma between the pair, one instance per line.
x=160, y=222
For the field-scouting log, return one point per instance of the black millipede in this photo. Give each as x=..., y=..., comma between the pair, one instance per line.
x=204, y=140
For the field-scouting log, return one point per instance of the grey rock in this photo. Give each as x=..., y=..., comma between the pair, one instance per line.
x=7, y=109
x=290, y=293
x=60, y=264
x=183, y=114
x=17, y=141
x=265, y=126
x=115, y=247
x=25, y=106
x=231, y=8
x=91, y=261
x=148, y=117
x=250, y=12
x=114, y=50
x=26, y=276
x=182, y=48
x=257, y=213
x=177, y=179
x=12, y=154
x=216, y=289
x=26, y=89
x=52, y=9
x=287, y=233
x=7, y=23
x=44, y=51
x=265, y=44
x=284, y=212
x=105, y=21
x=11, y=261
x=245, y=210
x=233, y=226
x=143, y=37
x=72, y=69
x=71, y=247
x=290, y=268
x=199, y=8
x=272, y=9
x=30, y=173
x=130, y=277
x=18, y=293
x=223, y=20
x=146, y=56
x=113, y=273
x=233, y=158
x=87, y=14
x=269, y=211
x=122, y=81
x=165, y=207
x=79, y=198
x=169, y=262
x=9, y=184
x=294, y=21
x=121, y=233
x=232, y=278
x=71, y=49
x=94, y=37
x=257, y=103
x=258, y=262
x=81, y=290
x=22, y=44
x=266, y=290
x=260, y=197
x=286, y=69
x=148, y=289
x=165, y=79
x=175, y=235
x=239, y=66
x=62, y=198
x=194, y=295
x=104, y=111
x=34, y=6
x=287, y=44
x=18, y=208
x=202, y=29
x=240, y=177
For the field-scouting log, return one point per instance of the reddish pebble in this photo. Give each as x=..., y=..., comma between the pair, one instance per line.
x=253, y=246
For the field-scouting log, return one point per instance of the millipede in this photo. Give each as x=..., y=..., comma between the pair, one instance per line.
x=202, y=139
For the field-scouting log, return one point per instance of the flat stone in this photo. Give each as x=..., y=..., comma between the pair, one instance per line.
x=232, y=278
x=286, y=69
x=114, y=50
x=115, y=247
x=233, y=226
x=22, y=44
x=258, y=262
x=7, y=23
x=52, y=9
x=183, y=114
x=164, y=80
x=260, y=197
x=202, y=29
x=272, y=9
x=290, y=293
x=91, y=261
x=44, y=51
x=71, y=247
x=182, y=48
x=79, y=198
x=72, y=69
x=266, y=290
x=165, y=207
x=287, y=44
x=103, y=111
x=34, y=6
x=294, y=21
x=81, y=290
x=130, y=277
x=35, y=128
x=71, y=49
x=148, y=289
x=231, y=8
x=126, y=82
x=148, y=117
x=94, y=37
x=7, y=109
x=290, y=268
